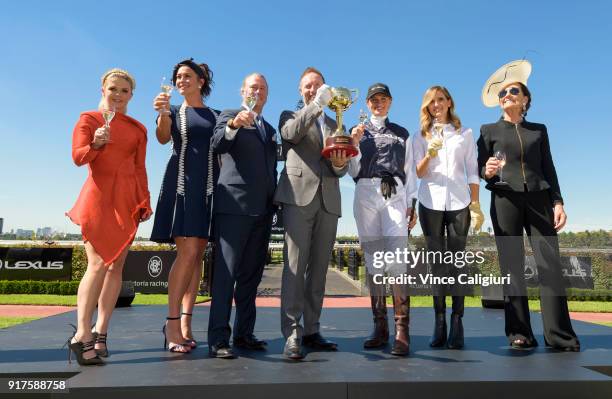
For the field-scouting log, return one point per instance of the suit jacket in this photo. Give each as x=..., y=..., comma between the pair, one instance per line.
x=247, y=178
x=305, y=168
x=528, y=157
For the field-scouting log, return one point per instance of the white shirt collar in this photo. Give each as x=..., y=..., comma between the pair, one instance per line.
x=378, y=121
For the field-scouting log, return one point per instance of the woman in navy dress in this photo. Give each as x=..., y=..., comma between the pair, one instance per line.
x=183, y=214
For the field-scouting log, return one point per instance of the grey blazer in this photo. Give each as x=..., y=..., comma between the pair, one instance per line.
x=305, y=169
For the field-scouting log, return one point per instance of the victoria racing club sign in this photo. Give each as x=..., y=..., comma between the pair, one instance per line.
x=155, y=266
x=149, y=270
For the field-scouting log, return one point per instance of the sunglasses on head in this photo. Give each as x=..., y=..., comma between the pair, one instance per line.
x=513, y=90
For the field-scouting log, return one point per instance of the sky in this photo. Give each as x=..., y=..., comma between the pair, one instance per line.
x=52, y=55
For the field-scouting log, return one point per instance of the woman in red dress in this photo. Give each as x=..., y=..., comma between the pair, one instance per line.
x=113, y=200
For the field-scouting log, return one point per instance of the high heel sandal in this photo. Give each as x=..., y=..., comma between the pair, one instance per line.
x=79, y=348
x=174, y=347
x=190, y=341
x=100, y=339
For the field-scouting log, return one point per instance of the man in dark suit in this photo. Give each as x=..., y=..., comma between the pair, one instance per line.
x=243, y=210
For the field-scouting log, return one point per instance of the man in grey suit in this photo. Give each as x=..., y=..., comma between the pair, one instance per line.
x=309, y=192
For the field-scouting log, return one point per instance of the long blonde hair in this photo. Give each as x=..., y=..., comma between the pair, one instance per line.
x=121, y=73
x=425, y=117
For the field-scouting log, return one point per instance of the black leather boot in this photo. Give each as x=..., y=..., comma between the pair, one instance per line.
x=455, y=336
x=438, y=338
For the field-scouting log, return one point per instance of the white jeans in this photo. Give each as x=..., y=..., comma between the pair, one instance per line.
x=381, y=224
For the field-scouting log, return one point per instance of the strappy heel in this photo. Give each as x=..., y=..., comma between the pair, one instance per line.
x=190, y=341
x=100, y=338
x=79, y=348
x=174, y=347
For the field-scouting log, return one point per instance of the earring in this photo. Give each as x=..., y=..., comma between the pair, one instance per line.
x=199, y=87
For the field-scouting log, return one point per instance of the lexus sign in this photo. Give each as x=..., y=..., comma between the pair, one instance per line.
x=35, y=263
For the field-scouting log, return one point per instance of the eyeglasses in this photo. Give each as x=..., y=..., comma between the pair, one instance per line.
x=513, y=90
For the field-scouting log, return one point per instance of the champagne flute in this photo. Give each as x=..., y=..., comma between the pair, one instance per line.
x=437, y=128
x=250, y=102
x=501, y=157
x=365, y=120
x=436, y=131
x=166, y=89
x=108, y=114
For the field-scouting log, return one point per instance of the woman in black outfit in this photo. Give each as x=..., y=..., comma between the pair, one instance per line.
x=528, y=197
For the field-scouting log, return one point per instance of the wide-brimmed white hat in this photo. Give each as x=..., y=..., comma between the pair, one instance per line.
x=512, y=72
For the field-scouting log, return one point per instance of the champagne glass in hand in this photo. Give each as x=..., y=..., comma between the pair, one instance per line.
x=365, y=120
x=250, y=102
x=108, y=115
x=166, y=89
x=437, y=129
x=501, y=157
x=436, y=138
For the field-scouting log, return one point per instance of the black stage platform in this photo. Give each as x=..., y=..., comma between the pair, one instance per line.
x=138, y=368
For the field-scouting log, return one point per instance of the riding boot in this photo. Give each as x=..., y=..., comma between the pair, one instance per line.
x=438, y=338
x=401, y=308
x=455, y=335
x=380, y=334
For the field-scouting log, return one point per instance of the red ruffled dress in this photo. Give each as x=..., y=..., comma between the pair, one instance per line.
x=115, y=195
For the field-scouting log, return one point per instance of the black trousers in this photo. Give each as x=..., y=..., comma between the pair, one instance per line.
x=511, y=212
x=446, y=231
x=242, y=245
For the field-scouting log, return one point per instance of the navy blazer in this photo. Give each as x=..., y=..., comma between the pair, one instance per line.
x=247, y=178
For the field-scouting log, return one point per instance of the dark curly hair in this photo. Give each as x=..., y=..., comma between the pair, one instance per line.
x=202, y=70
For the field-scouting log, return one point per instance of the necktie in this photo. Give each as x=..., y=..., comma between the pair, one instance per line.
x=260, y=127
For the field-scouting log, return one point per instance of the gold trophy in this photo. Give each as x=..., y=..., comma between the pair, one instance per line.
x=342, y=99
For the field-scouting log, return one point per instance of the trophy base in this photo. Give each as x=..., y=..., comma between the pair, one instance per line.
x=339, y=143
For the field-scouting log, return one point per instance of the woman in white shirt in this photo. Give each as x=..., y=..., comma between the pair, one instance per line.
x=446, y=162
